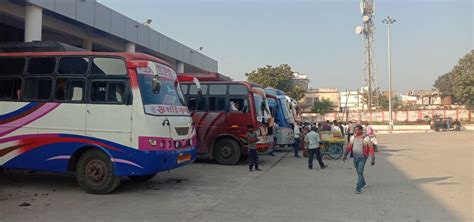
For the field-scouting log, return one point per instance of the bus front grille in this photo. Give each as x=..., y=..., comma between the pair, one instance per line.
x=182, y=131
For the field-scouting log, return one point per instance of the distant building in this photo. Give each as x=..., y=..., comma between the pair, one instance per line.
x=407, y=100
x=352, y=100
x=314, y=95
x=300, y=81
x=426, y=97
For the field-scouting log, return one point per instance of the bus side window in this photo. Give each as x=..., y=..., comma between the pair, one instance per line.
x=38, y=88
x=108, y=92
x=192, y=103
x=76, y=90
x=116, y=92
x=238, y=104
x=98, y=91
x=69, y=89
x=10, y=88
x=217, y=104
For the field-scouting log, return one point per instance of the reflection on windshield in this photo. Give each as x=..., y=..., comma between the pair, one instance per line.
x=258, y=99
x=170, y=92
x=168, y=95
x=286, y=111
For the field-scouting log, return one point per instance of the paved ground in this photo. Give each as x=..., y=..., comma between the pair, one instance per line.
x=417, y=177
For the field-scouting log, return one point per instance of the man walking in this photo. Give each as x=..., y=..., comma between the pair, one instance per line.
x=313, y=140
x=296, y=142
x=361, y=148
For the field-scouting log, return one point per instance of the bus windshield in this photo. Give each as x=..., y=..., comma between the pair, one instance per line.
x=286, y=110
x=170, y=99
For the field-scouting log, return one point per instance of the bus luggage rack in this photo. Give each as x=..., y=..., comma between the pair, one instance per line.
x=46, y=46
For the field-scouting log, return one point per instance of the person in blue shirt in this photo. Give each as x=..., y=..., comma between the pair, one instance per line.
x=313, y=139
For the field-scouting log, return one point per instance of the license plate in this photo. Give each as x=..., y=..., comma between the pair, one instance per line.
x=183, y=158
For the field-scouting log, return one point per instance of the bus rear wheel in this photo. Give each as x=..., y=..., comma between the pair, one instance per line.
x=227, y=152
x=95, y=173
x=142, y=178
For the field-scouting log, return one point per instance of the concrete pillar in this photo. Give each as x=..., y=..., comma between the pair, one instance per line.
x=87, y=44
x=179, y=67
x=130, y=47
x=33, y=23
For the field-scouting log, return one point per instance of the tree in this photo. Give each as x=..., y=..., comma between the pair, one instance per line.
x=383, y=102
x=459, y=83
x=296, y=93
x=443, y=84
x=322, y=107
x=278, y=77
x=462, y=80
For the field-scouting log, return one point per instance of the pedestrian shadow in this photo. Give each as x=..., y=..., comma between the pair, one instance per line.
x=430, y=179
x=384, y=150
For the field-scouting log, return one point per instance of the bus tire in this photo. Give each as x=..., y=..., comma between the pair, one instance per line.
x=227, y=151
x=95, y=173
x=142, y=178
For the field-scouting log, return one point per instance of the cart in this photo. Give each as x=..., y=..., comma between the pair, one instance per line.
x=332, y=144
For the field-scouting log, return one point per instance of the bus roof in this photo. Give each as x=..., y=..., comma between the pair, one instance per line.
x=60, y=52
x=274, y=91
x=209, y=76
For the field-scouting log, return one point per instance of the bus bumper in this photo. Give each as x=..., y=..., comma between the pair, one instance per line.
x=151, y=162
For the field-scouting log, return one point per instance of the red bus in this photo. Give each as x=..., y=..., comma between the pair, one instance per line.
x=221, y=117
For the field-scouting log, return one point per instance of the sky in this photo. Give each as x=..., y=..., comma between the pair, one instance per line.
x=317, y=38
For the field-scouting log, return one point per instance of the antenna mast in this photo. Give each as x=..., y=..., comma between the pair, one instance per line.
x=367, y=8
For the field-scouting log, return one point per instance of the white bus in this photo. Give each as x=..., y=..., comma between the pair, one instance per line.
x=100, y=115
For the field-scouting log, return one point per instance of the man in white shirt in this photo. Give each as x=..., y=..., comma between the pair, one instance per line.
x=296, y=142
x=313, y=139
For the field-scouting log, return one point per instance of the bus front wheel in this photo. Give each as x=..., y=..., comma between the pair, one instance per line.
x=95, y=173
x=227, y=152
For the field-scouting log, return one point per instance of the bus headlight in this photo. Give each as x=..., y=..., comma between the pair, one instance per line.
x=176, y=144
x=152, y=142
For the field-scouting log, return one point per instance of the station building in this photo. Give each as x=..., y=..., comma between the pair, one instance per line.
x=95, y=27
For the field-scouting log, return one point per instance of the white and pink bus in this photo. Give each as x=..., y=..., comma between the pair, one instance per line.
x=101, y=115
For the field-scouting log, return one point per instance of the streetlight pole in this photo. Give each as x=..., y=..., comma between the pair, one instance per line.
x=389, y=21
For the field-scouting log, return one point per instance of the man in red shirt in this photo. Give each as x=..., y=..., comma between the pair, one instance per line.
x=361, y=148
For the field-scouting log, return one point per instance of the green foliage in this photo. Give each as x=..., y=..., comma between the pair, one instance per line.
x=322, y=107
x=383, y=102
x=459, y=83
x=296, y=93
x=462, y=79
x=443, y=84
x=278, y=77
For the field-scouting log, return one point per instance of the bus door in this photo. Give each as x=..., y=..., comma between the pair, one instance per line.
x=109, y=113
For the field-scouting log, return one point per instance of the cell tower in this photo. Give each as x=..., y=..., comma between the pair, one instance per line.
x=367, y=9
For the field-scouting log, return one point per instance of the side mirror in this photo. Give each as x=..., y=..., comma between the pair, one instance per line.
x=156, y=85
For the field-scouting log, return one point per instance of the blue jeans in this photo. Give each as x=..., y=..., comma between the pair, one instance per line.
x=359, y=164
x=296, y=146
x=253, y=159
x=317, y=152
